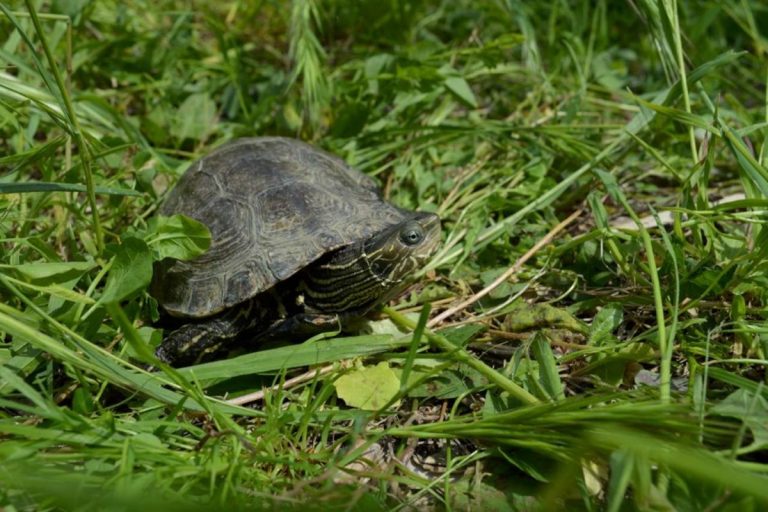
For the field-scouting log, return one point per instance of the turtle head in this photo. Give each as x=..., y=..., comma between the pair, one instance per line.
x=401, y=249
x=355, y=278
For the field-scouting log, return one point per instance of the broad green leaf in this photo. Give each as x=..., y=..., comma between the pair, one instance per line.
x=178, y=237
x=373, y=67
x=750, y=408
x=504, y=290
x=131, y=270
x=460, y=335
x=195, y=119
x=458, y=86
x=549, y=377
x=468, y=494
x=369, y=388
x=441, y=382
x=387, y=326
x=610, y=70
x=605, y=322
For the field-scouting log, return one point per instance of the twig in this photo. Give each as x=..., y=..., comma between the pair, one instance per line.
x=506, y=275
x=259, y=395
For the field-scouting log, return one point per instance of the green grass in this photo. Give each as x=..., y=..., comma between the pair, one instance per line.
x=619, y=365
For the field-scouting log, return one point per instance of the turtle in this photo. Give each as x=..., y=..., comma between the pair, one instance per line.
x=301, y=243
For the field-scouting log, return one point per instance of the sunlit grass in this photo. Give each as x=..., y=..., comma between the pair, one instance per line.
x=621, y=367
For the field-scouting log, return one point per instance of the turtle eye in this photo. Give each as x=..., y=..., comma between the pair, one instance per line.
x=412, y=234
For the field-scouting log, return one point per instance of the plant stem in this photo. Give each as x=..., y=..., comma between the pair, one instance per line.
x=82, y=147
x=675, y=19
x=462, y=356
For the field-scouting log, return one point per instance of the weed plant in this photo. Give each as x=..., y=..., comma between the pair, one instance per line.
x=600, y=169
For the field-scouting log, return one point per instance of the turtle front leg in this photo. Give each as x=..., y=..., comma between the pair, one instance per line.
x=200, y=341
x=303, y=325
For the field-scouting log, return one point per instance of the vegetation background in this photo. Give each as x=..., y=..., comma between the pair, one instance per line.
x=600, y=168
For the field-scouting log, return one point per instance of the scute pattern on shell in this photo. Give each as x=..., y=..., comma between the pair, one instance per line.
x=273, y=205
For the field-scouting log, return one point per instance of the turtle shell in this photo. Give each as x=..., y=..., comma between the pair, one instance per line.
x=273, y=206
